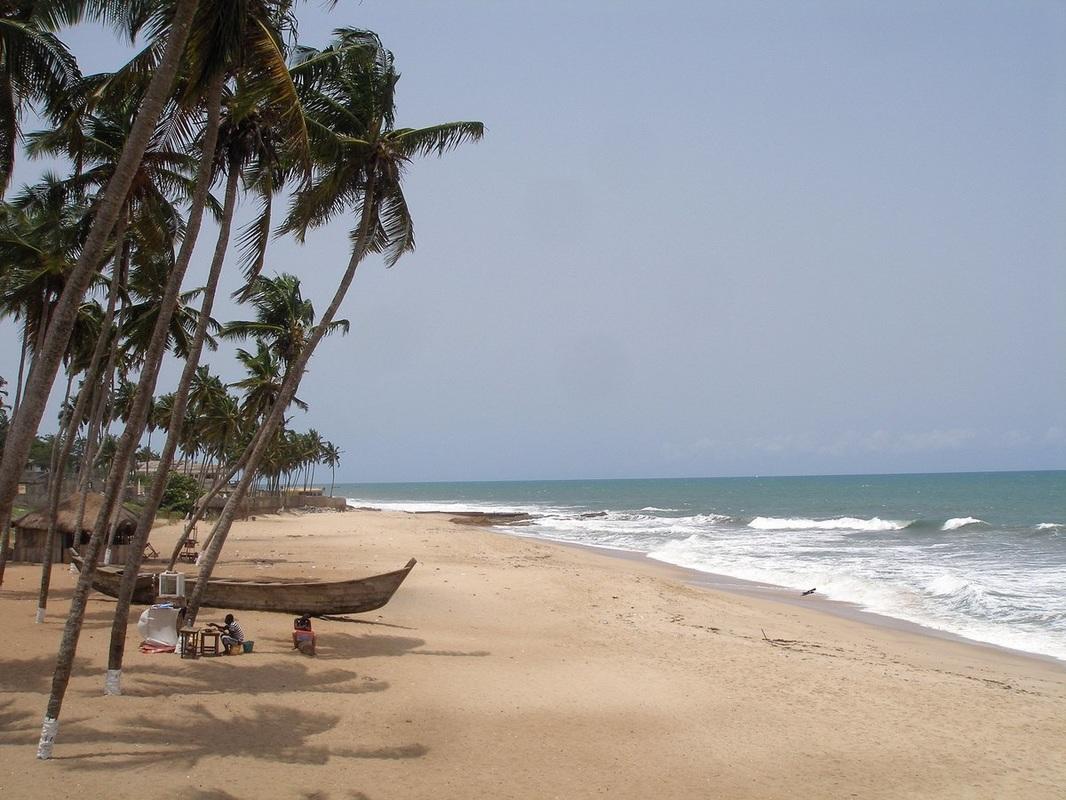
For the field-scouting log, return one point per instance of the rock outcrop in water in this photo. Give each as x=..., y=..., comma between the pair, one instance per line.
x=487, y=518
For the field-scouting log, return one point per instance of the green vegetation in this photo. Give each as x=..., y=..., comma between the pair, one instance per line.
x=180, y=493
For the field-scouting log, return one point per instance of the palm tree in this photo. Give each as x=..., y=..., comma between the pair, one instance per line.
x=140, y=317
x=162, y=410
x=331, y=457
x=250, y=140
x=92, y=136
x=41, y=379
x=262, y=387
x=283, y=317
x=314, y=442
x=39, y=382
x=131, y=436
x=35, y=67
x=243, y=40
x=361, y=157
x=40, y=234
x=80, y=360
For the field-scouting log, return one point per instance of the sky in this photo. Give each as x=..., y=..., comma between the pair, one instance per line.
x=700, y=239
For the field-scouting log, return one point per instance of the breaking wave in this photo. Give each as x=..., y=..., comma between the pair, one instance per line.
x=837, y=524
x=960, y=522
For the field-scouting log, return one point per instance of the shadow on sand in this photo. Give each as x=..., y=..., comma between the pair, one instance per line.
x=347, y=646
x=10, y=719
x=34, y=674
x=337, y=645
x=267, y=732
x=220, y=676
x=354, y=621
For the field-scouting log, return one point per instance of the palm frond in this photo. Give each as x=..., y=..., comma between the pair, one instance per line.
x=252, y=243
x=395, y=233
x=436, y=139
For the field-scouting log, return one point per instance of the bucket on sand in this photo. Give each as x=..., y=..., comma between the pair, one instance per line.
x=248, y=646
x=235, y=650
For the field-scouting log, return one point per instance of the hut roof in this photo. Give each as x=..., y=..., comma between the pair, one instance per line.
x=68, y=514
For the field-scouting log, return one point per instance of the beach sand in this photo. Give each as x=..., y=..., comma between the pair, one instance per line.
x=511, y=668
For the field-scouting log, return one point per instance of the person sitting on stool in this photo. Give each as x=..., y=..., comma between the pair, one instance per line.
x=303, y=638
x=232, y=633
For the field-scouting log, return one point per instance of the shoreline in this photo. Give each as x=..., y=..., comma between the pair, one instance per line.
x=507, y=523
x=841, y=609
x=513, y=667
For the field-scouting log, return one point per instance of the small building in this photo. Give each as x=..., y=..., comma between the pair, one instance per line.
x=31, y=531
x=32, y=486
x=206, y=472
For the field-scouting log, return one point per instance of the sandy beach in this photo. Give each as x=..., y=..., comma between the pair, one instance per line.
x=511, y=668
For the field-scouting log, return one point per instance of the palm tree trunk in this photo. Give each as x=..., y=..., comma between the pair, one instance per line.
x=60, y=450
x=22, y=370
x=277, y=412
x=5, y=527
x=56, y=490
x=101, y=394
x=46, y=363
x=135, y=556
x=135, y=426
x=92, y=379
x=94, y=435
x=332, y=478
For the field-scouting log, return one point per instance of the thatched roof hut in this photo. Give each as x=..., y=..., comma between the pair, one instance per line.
x=31, y=530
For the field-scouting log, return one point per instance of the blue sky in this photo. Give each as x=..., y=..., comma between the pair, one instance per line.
x=704, y=239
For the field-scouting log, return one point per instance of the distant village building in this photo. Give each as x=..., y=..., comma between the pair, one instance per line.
x=205, y=472
x=31, y=531
x=271, y=503
x=33, y=484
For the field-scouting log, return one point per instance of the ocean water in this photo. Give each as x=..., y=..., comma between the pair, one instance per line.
x=980, y=555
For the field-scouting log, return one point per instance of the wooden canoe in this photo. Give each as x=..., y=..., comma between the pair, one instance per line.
x=315, y=598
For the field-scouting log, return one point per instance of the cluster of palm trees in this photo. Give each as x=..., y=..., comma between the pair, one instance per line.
x=219, y=95
x=218, y=426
